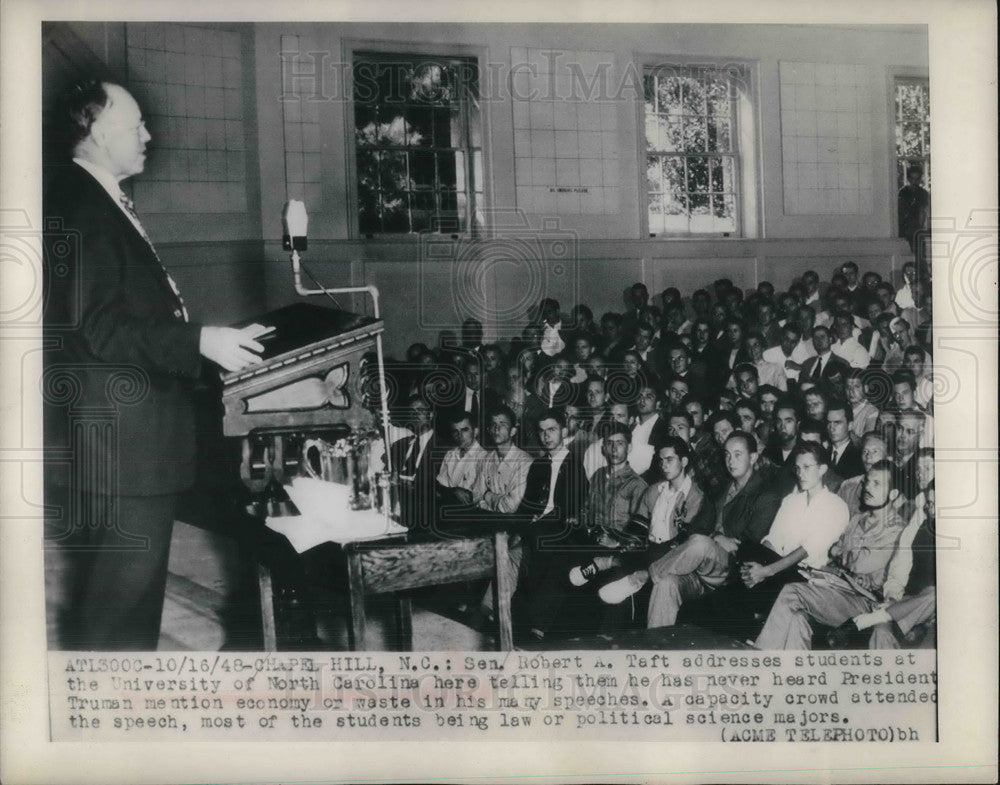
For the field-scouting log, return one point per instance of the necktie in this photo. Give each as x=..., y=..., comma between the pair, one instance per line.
x=818, y=370
x=130, y=209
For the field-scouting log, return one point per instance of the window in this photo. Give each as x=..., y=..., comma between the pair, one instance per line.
x=418, y=144
x=693, y=121
x=913, y=128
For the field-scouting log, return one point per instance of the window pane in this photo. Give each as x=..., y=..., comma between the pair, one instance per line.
x=724, y=212
x=422, y=211
x=446, y=170
x=675, y=215
x=422, y=170
x=694, y=97
x=719, y=135
x=392, y=174
x=697, y=176
x=649, y=93
x=447, y=128
x=365, y=129
x=718, y=98
x=419, y=131
x=392, y=125
x=695, y=136
x=656, y=213
x=653, y=174
x=669, y=95
x=673, y=178
x=723, y=178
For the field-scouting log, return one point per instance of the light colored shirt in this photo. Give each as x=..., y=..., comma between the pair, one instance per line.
x=867, y=544
x=662, y=527
x=898, y=574
x=502, y=479
x=552, y=342
x=812, y=524
x=641, y=455
x=461, y=469
x=777, y=357
x=614, y=497
x=865, y=415
x=853, y=352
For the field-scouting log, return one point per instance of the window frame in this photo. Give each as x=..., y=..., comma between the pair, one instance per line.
x=748, y=210
x=351, y=49
x=894, y=75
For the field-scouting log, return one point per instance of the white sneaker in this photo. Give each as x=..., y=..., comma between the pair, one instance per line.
x=579, y=576
x=620, y=590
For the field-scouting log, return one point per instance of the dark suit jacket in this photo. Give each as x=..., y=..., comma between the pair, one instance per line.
x=850, y=464
x=833, y=364
x=570, y=493
x=120, y=344
x=749, y=514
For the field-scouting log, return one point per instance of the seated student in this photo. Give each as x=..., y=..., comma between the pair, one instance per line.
x=812, y=432
x=906, y=617
x=527, y=409
x=852, y=582
x=611, y=335
x=593, y=458
x=708, y=462
x=644, y=426
x=815, y=403
x=809, y=521
x=583, y=349
x=845, y=457
x=461, y=466
x=779, y=454
x=677, y=390
x=597, y=408
x=550, y=320
x=615, y=500
x=674, y=507
x=873, y=450
x=748, y=413
x=904, y=397
x=744, y=513
x=923, y=391
x=846, y=346
x=499, y=486
x=494, y=371
x=767, y=372
x=552, y=382
x=498, y=490
x=864, y=414
x=554, y=492
x=818, y=368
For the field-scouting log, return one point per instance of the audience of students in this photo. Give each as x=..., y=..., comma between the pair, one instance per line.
x=763, y=451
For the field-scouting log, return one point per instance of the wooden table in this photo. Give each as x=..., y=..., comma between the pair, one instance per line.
x=401, y=563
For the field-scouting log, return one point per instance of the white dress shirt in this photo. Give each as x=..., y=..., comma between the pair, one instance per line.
x=813, y=525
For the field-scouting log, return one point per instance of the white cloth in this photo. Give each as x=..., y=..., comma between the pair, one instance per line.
x=813, y=525
x=661, y=520
x=777, y=357
x=502, y=480
x=865, y=415
x=552, y=342
x=641, y=455
x=461, y=470
x=853, y=352
x=904, y=297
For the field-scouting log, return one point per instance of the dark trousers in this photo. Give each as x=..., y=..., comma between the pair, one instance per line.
x=735, y=610
x=118, y=549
